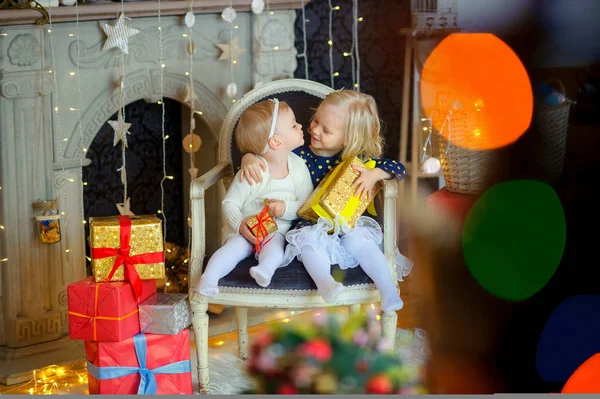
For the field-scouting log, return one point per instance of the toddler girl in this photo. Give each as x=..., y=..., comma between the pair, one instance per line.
x=268, y=128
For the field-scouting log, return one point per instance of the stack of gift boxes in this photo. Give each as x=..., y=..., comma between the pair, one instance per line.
x=136, y=340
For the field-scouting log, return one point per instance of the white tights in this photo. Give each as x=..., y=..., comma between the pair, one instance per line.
x=374, y=264
x=236, y=249
x=319, y=268
x=369, y=257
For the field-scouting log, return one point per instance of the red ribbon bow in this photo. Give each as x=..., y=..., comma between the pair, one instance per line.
x=123, y=257
x=261, y=228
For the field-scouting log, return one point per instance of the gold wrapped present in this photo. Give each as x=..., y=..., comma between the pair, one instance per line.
x=334, y=196
x=127, y=248
x=262, y=224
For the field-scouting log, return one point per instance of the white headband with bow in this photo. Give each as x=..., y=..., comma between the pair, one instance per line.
x=273, y=123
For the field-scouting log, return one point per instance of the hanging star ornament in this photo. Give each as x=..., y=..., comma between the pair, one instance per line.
x=117, y=34
x=121, y=129
x=231, y=51
x=190, y=96
x=125, y=208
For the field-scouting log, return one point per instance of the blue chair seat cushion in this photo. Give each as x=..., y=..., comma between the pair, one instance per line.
x=292, y=277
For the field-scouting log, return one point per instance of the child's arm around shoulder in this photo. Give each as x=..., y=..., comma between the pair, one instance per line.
x=251, y=169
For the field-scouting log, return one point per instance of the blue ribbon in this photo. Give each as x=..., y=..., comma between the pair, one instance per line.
x=148, y=379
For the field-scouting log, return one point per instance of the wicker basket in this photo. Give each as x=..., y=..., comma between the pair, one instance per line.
x=549, y=137
x=465, y=171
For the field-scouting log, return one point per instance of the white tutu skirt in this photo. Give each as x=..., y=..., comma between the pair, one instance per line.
x=330, y=245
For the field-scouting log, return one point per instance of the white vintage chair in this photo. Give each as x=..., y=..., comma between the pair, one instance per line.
x=291, y=287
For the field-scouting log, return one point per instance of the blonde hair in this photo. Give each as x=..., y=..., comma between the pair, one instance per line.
x=252, y=130
x=363, y=127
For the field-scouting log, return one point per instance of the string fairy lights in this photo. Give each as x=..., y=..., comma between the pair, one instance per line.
x=304, y=54
x=65, y=190
x=356, y=55
x=123, y=168
x=2, y=228
x=192, y=170
x=353, y=53
x=162, y=127
x=330, y=43
x=275, y=48
x=230, y=17
x=54, y=379
x=83, y=150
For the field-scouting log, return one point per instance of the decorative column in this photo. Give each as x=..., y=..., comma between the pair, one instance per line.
x=34, y=276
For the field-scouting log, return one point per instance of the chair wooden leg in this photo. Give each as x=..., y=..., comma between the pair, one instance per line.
x=355, y=309
x=241, y=315
x=388, y=329
x=200, y=324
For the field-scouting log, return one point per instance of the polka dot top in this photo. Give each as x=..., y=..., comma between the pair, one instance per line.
x=319, y=166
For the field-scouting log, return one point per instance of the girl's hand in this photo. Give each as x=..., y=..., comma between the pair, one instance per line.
x=245, y=231
x=276, y=208
x=364, y=184
x=250, y=169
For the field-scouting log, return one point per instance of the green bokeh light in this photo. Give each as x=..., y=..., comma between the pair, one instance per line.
x=514, y=238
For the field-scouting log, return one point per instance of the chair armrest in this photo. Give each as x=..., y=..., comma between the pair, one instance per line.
x=390, y=195
x=390, y=188
x=197, y=191
x=218, y=172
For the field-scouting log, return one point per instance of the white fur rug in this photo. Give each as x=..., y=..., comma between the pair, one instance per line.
x=227, y=369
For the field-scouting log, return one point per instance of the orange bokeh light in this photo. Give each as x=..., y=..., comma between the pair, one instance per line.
x=586, y=379
x=478, y=80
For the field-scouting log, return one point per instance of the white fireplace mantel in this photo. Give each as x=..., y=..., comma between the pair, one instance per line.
x=41, y=155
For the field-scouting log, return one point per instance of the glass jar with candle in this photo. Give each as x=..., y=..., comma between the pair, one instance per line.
x=47, y=218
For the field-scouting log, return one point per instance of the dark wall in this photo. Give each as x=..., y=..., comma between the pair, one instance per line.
x=381, y=49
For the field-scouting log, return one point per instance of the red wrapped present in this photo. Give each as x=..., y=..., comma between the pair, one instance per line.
x=143, y=364
x=454, y=205
x=105, y=311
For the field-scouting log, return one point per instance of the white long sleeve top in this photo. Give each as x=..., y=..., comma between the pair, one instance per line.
x=243, y=200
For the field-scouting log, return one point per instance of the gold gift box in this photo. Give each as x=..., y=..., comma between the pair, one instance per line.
x=334, y=196
x=269, y=224
x=146, y=237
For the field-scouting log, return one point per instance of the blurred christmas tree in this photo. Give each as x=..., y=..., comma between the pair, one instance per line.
x=329, y=356
x=177, y=260
x=176, y=269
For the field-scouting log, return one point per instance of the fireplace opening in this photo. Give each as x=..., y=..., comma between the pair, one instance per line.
x=144, y=160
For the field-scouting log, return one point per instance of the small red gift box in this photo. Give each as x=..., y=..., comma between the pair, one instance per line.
x=152, y=364
x=105, y=311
